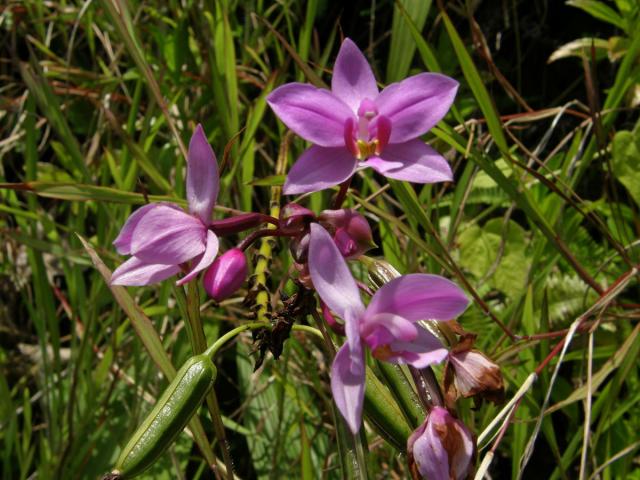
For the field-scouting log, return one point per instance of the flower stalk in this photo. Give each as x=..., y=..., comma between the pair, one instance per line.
x=191, y=306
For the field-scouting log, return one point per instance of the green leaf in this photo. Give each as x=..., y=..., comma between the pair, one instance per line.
x=477, y=86
x=479, y=249
x=599, y=10
x=628, y=348
x=581, y=48
x=382, y=412
x=403, y=46
x=50, y=106
x=626, y=161
x=82, y=192
x=484, y=181
x=270, y=181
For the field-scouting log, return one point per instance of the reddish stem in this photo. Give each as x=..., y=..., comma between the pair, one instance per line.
x=253, y=236
x=342, y=193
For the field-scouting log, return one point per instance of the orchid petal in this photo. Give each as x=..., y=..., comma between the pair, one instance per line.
x=419, y=296
x=315, y=114
x=430, y=453
x=210, y=252
x=475, y=374
x=134, y=272
x=331, y=276
x=382, y=131
x=424, y=350
x=203, y=181
x=347, y=386
x=412, y=161
x=168, y=236
x=123, y=241
x=462, y=460
x=353, y=79
x=383, y=328
x=352, y=332
x=416, y=104
x=319, y=168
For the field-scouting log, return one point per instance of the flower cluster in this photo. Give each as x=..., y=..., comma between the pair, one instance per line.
x=352, y=126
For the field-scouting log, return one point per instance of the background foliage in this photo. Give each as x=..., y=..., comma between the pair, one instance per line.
x=541, y=221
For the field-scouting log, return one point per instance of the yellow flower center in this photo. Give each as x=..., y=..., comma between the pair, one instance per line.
x=366, y=149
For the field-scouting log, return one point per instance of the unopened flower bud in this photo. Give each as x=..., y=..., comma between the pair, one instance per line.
x=226, y=274
x=331, y=320
x=350, y=231
x=474, y=374
x=294, y=218
x=442, y=448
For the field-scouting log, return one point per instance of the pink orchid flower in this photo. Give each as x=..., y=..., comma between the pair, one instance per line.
x=160, y=237
x=387, y=325
x=354, y=125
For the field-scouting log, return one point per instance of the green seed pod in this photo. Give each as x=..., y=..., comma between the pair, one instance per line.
x=380, y=272
x=178, y=403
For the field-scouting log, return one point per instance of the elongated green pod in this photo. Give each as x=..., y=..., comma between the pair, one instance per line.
x=178, y=403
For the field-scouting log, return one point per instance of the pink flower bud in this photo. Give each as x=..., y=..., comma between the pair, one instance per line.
x=331, y=320
x=226, y=275
x=295, y=218
x=442, y=448
x=350, y=231
x=474, y=374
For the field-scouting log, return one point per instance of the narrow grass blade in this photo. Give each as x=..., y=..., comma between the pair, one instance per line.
x=402, y=45
x=477, y=86
x=50, y=106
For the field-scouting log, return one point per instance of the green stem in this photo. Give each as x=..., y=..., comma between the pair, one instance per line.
x=199, y=345
x=199, y=341
x=218, y=344
x=262, y=302
x=359, y=442
x=308, y=329
x=325, y=335
x=348, y=458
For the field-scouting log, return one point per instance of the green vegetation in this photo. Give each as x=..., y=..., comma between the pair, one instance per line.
x=540, y=227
